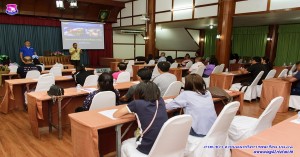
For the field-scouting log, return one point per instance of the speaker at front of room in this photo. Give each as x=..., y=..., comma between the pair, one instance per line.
x=103, y=15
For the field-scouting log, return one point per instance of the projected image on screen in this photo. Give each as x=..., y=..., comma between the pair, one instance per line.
x=87, y=35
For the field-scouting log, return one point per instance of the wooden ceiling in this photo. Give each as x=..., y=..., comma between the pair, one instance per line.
x=88, y=10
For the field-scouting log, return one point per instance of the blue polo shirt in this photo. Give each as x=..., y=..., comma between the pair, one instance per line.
x=27, y=51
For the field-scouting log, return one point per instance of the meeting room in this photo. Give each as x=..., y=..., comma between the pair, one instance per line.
x=156, y=78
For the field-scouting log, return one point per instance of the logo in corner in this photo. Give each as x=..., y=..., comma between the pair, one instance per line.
x=12, y=9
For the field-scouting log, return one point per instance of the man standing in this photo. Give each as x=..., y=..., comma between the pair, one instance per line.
x=26, y=51
x=75, y=55
x=28, y=66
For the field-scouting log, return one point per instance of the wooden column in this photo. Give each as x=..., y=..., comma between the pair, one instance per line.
x=151, y=27
x=272, y=44
x=201, y=43
x=225, y=19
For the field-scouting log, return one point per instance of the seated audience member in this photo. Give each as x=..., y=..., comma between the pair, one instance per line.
x=255, y=68
x=28, y=66
x=164, y=79
x=144, y=74
x=266, y=63
x=105, y=83
x=198, y=103
x=213, y=62
x=296, y=80
x=122, y=67
x=196, y=65
x=147, y=102
x=149, y=58
x=187, y=58
x=162, y=57
x=81, y=74
x=170, y=59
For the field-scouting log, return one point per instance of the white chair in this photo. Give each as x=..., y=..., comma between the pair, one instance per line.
x=103, y=99
x=240, y=61
x=292, y=69
x=123, y=77
x=164, y=145
x=250, y=91
x=207, y=80
x=91, y=80
x=199, y=70
x=294, y=102
x=270, y=75
x=44, y=83
x=129, y=67
x=232, y=61
x=155, y=72
x=59, y=65
x=42, y=67
x=283, y=73
x=33, y=74
x=243, y=127
x=173, y=89
x=221, y=68
x=174, y=65
x=189, y=64
x=56, y=71
x=151, y=62
x=217, y=135
x=13, y=68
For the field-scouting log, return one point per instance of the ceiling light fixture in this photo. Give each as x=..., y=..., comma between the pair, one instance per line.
x=211, y=26
x=269, y=39
x=60, y=4
x=73, y=4
x=218, y=36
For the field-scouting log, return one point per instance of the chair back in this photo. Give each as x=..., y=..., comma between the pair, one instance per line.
x=173, y=89
x=283, y=73
x=13, y=68
x=271, y=74
x=129, y=67
x=232, y=61
x=292, y=69
x=258, y=77
x=42, y=67
x=155, y=71
x=266, y=118
x=56, y=71
x=218, y=133
x=174, y=65
x=33, y=74
x=123, y=77
x=221, y=68
x=240, y=61
x=151, y=62
x=189, y=64
x=44, y=83
x=103, y=99
x=216, y=70
x=61, y=66
x=164, y=144
x=91, y=80
x=199, y=70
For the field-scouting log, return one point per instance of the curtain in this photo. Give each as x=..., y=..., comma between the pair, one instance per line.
x=249, y=41
x=210, y=46
x=288, y=47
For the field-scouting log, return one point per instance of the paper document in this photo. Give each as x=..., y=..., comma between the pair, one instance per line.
x=168, y=101
x=297, y=121
x=136, y=82
x=89, y=90
x=68, y=76
x=109, y=113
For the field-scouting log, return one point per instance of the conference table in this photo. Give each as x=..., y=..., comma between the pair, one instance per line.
x=224, y=80
x=85, y=128
x=66, y=66
x=176, y=71
x=275, y=87
x=284, y=134
x=38, y=103
x=15, y=88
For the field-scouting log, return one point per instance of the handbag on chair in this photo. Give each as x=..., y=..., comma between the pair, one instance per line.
x=55, y=91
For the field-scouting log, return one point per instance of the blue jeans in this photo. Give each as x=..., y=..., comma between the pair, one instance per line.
x=193, y=133
x=295, y=91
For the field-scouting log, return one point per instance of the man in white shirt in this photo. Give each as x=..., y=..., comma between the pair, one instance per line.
x=165, y=78
x=196, y=65
x=162, y=57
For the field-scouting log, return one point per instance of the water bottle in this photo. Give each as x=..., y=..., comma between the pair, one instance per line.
x=290, y=63
x=226, y=70
x=78, y=88
x=284, y=64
